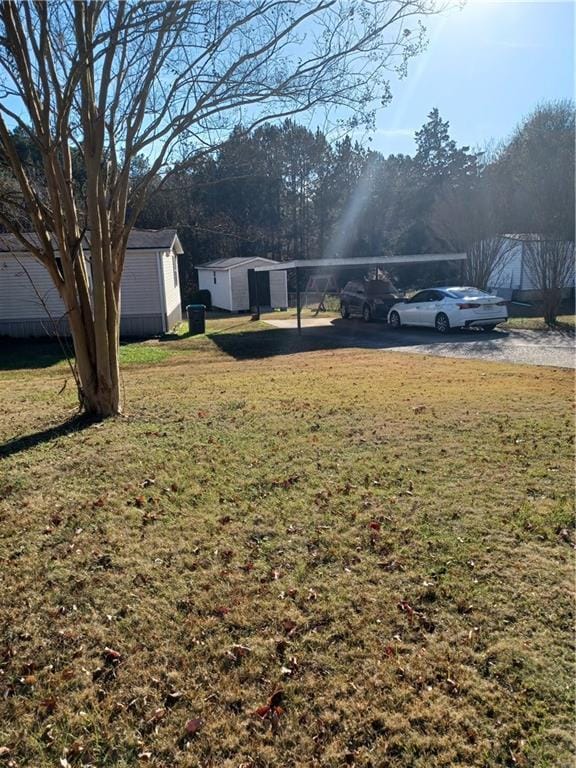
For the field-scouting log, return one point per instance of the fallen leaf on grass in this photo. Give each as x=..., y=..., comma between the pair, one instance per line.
x=49, y=705
x=172, y=698
x=157, y=715
x=276, y=700
x=406, y=608
x=193, y=726
x=281, y=646
x=286, y=671
x=289, y=626
x=4, y=751
x=111, y=656
x=273, y=710
x=238, y=651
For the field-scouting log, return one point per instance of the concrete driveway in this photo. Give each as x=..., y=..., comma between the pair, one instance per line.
x=551, y=348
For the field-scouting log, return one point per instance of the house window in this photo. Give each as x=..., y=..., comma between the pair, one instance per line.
x=175, y=269
x=214, y=277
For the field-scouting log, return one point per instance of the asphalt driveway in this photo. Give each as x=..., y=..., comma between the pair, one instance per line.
x=551, y=348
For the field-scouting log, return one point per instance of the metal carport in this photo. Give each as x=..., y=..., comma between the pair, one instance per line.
x=376, y=261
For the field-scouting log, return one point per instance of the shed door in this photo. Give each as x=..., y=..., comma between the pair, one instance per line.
x=259, y=288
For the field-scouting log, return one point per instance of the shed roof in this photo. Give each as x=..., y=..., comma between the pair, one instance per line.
x=138, y=240
x=234, y=261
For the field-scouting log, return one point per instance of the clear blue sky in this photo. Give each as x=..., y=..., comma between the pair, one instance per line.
x=486, y=66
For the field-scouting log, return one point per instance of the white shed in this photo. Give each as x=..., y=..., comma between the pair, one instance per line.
x=149, y=290
x=235, y=288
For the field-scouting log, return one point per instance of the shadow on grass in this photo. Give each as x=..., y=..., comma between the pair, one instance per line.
x=343, y=334
x=29, y=353
x=273, y=342
x=25, y=442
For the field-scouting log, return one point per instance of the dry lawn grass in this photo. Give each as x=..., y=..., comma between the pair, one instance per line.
x=387, y=539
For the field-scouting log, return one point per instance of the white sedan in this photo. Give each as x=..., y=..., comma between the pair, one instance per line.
x=446, y=308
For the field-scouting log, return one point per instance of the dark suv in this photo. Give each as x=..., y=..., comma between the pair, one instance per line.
x=371, y=299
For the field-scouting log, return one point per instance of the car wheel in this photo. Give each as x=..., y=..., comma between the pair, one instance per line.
x=442, y=324
x=366, y=313
x=344, y=311
x=489, y=327
x=394, y=320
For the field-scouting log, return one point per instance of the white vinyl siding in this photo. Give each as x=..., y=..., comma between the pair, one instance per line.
x=22, y=300
x=516, y=274
x=278, y=290
x=239, y=286
x=219, y=290
x=146, y=306
x=510, y=276
x=171, y=290
x=139, y=289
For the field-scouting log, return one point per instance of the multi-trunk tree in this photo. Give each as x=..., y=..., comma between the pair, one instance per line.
x=107, y=82
x=551, y=265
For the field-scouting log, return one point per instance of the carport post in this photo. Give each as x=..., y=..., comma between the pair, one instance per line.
x=298, y=307
x=254, y=294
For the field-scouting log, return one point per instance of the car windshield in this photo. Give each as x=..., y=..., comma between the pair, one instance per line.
x=463, y=293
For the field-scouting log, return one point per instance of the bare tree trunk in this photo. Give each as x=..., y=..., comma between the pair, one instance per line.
x=99, y=378
x=551, y=301
x=551, y=266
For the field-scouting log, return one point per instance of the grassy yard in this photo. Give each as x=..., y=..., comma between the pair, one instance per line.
x=326, y=558
x=564, y=323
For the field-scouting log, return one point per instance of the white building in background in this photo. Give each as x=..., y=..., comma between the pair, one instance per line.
x=232, y=288
x=149, y=291
x=515, y=277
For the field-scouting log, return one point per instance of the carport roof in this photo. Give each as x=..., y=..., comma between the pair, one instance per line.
x=420, y=258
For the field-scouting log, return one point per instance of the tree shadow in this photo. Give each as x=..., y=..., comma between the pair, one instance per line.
x=564, y=329
x=343, y=334
x=271, y=342
x=36, y=353
x=17, y=354
x=25, y=442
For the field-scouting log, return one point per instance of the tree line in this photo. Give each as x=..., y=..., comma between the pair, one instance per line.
x=285, y=191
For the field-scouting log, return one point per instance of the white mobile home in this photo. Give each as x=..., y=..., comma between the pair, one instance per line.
x=234, y=288
x=150, y=291
x=515, y=278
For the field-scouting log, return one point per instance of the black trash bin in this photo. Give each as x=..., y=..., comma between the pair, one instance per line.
x=196, y=319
